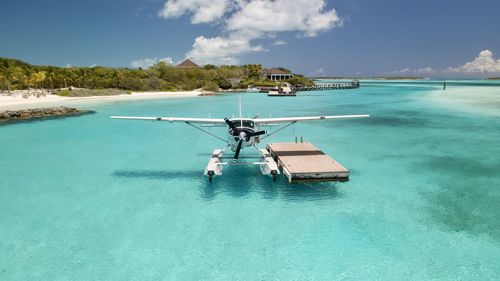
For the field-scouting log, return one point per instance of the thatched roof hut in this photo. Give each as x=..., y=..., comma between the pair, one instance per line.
x=187, y=63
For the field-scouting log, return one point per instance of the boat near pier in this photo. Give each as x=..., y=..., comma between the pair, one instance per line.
x=286, y=90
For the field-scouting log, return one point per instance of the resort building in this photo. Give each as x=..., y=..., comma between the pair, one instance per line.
x=275, y=74
x=187, y=63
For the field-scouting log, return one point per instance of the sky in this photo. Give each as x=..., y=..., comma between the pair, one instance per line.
x=430, y=38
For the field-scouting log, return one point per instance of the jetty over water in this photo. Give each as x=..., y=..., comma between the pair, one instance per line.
x=330, y=86
x=303, y=162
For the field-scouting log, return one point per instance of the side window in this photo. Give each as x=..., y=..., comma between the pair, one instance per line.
x=248, y=124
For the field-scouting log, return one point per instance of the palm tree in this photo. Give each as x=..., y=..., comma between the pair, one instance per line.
x=14, y=75
x=38, y=78
x=3, y=82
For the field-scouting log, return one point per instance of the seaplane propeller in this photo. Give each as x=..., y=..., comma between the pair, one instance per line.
x=242, y=134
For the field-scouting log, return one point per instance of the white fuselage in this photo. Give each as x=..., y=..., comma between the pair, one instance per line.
x=245, y=126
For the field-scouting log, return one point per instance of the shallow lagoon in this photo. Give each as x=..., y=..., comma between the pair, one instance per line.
x=90, y=198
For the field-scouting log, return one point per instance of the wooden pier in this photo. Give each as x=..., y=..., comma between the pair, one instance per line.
x=278, y=94
x=303, y=162
x=331, y=86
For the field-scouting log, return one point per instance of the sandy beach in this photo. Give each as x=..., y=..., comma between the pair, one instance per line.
x=480, y=100
x=16, y=101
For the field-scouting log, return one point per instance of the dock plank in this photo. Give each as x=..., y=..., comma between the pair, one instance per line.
x=304, y=161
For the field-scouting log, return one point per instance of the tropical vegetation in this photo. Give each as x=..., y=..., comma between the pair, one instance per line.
x=19, y=75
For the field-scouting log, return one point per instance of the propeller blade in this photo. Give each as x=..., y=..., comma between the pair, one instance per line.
x=238, y=148
x=230, y=124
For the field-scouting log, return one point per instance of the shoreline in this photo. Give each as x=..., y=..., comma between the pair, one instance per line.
x=17, y=102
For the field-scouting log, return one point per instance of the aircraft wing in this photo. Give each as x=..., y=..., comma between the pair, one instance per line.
x=266, y=121
x=175, y=119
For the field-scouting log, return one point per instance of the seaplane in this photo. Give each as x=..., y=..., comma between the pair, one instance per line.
x=241, y=133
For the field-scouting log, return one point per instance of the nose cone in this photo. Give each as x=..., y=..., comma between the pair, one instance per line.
x=242, y=135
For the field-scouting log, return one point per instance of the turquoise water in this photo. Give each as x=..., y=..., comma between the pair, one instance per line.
x=90, y=198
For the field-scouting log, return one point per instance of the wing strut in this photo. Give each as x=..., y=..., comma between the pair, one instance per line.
x=284, y=127
x=205, y=131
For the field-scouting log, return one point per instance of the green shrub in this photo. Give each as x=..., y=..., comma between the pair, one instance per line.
x=264, y=83
x=223, y=83
x=211, y=86
x=298, y=80
x=91, y=93
x=64, y=93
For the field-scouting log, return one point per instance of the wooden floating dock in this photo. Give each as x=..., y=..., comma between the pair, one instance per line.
x=303, y=162
x=277, y=94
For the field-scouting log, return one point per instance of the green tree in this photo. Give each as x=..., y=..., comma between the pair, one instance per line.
x=223, y=83
x=161, y=70
x=16, y=74
x=254, y=71
x=17, y=77
x=153, y=83
x=209, y=67
x=211, y=86
x=51, y=72
x=37, y=79
x=3, y=82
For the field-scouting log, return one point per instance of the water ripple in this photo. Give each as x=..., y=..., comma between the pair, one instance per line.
x=241, y=182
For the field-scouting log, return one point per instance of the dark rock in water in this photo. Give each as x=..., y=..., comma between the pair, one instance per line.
x=207, y=93
x=39, y=113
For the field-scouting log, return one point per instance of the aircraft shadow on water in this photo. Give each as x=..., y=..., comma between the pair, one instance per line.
x=239, y=183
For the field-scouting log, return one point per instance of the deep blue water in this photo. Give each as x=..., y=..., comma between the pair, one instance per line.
x=91, y=198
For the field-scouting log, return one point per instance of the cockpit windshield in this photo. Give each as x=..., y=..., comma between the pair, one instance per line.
x=244, y=123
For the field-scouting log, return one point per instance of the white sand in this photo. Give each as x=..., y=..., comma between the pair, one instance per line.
x=480, y=100
x=16, y=101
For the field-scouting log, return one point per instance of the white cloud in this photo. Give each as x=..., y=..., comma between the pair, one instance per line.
x=279, y=43
x=425, y=70
x=220, y=50
x=203, y=11
x=307, y=16
x=247, y=20
x=320, y=72
x=416, y=71
x=148, y=62
x=484, y=63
